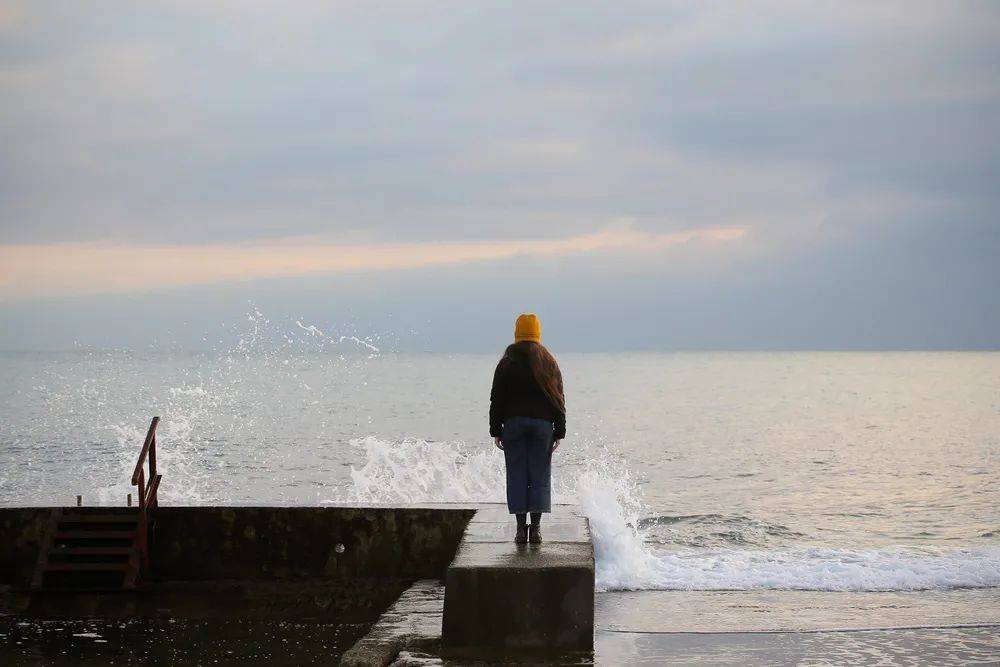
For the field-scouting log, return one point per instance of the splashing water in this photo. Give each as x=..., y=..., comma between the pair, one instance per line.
x=263, y=420
x=416, y=471
x=88, y=411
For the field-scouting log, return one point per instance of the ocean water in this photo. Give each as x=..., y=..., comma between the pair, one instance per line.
x=819, y=483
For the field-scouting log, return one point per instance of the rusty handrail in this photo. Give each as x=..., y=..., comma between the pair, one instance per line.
x=154, y=484
x=150, y=443
x=146, y=491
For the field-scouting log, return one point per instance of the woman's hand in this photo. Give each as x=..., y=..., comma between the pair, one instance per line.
x=555, y=444
x=498, y=443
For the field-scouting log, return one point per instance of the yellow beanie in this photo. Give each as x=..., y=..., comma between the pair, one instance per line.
x=528, y=327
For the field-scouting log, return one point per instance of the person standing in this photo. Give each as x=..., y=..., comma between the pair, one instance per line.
x=528, y=422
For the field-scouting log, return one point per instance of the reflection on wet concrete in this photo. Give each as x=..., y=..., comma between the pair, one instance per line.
x=240, y=642
x=935, y=646
x=797, y=627
x=765, y=611
x=172, y=642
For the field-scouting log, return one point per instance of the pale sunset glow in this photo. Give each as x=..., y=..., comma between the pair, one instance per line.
x=94, y=268
x=741, y=175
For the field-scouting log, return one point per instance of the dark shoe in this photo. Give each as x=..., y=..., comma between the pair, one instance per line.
x=521, y=536
x=535, y=534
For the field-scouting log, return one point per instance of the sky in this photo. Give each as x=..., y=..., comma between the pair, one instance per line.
x=643, y=175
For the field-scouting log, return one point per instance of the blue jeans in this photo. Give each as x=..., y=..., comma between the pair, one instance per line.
x=527, y=451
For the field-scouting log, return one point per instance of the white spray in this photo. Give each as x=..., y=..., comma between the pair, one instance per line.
x=415, y=471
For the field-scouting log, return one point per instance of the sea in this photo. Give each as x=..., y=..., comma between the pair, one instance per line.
x=746, y=507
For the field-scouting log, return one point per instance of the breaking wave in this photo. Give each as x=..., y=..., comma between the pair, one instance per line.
x=415, y=471
x=220, y=418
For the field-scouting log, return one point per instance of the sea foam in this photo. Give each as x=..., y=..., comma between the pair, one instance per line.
x=414, y=471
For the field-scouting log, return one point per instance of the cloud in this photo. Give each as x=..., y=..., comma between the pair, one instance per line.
x=179, y=122
x=203, y=139
x=70, y=269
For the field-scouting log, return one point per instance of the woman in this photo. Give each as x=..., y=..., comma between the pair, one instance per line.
x=527, y=422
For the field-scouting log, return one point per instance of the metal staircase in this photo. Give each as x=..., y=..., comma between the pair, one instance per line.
x=102, y=548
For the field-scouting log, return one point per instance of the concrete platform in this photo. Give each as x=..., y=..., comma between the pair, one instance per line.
x=413, y=622
x=502, y=595
x=555, y=531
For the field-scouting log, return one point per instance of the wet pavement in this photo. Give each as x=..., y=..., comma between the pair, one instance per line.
x=172, y=642
x=939, y=647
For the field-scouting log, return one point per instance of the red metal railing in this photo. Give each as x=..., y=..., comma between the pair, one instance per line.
x=146, y=490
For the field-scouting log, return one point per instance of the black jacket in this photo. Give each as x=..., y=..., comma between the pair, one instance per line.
x=516, y=394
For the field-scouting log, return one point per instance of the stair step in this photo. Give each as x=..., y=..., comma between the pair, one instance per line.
x=100, y=518
x=86, y=567
x=56, y=557
x=71, y=526
x=91, y=551
x=77, y=589
x=95, y=535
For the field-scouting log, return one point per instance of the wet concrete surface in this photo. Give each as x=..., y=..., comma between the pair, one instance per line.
x=516, y=558
x=31, y=643
x=940, y=647
x=797, y=627
x=412, y=623
x=937, y=647
x=554, y=531
x=63, y=643
x=779, y=610
x=359, y=600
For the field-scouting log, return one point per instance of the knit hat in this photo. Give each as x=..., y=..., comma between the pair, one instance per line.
x=528, y=327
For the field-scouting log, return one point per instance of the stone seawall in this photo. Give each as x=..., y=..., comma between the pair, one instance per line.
x=21, y=533
x=326, y=564
x=205, y=543
x=268, y=543
x=501, y=602
x=453, y=582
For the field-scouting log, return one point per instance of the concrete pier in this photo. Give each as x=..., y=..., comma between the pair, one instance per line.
x=502, y=595
x=381, y=567
x=413, y=622
x=316, y=564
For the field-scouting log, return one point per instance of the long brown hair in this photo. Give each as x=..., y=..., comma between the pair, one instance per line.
x=545, y=370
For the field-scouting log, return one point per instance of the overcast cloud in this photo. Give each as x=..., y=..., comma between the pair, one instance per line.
x=854, y=146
